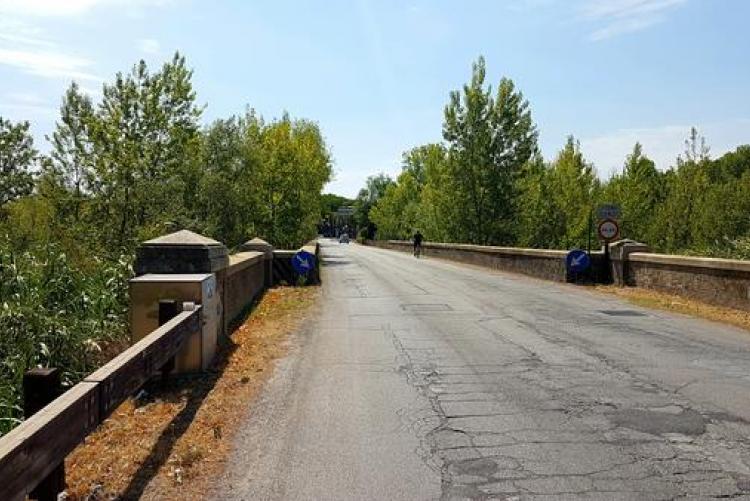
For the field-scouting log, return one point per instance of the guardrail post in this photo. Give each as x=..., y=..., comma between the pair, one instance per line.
x=40, y=387
x=168, y=309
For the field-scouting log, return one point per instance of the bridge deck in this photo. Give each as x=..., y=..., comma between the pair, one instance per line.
x=422, y=379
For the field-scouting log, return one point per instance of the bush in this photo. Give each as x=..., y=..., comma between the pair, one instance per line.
x=54, y=315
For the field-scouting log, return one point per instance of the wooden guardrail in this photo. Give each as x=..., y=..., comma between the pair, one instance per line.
x=36, y=448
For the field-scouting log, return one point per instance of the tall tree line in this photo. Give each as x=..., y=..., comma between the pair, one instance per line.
x=487, y=183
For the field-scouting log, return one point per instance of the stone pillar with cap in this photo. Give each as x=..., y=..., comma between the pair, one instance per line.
x=259, y=245
x=619, y=252
x=175, y=267
x=181, y=252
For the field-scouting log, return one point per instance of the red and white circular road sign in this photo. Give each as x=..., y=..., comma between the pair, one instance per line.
x=608, y=230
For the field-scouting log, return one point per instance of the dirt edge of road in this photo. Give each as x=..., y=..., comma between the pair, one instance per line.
x=648, y=298
x=174, y=438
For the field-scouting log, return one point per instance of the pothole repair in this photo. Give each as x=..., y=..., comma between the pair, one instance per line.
x=660, y=422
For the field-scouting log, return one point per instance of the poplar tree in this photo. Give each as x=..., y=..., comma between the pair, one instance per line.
x=17, y=156
x=490, y=137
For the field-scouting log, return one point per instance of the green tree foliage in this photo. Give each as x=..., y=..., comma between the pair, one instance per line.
x=17, y=156
x=487, y=183
x=330, y=202
x=574, y=194
x=375, y=188
x=397, y=214
x=132, y=166
x=489, y=139
x=540, y=219
x=639, y=190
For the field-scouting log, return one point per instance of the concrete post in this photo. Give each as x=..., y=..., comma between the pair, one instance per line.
x=260, y=245
x=40, y=387
x=619, y=252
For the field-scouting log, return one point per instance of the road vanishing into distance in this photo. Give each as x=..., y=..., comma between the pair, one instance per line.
x=424, y=379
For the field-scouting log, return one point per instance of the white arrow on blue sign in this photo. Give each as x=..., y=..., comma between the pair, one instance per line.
x=577, y=261
x=303, y=262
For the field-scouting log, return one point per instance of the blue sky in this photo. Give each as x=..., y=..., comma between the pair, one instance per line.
x=376, y=74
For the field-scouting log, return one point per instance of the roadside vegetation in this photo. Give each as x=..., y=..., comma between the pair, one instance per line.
x=132, y=165
x=487, y=183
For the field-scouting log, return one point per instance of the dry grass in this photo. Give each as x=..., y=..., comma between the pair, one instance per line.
x=671, y=302
x=172, y=442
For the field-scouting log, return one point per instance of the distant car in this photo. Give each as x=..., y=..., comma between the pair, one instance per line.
x=344, y=238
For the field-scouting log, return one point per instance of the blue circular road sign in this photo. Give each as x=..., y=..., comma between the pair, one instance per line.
x=577, y=261
x=303, y=262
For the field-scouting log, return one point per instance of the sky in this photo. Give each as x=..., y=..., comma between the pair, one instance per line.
x=376, y=74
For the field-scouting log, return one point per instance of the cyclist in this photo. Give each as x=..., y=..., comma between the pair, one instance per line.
x=417, y=243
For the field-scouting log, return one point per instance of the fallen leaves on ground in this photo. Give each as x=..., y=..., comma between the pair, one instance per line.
x=174, y=437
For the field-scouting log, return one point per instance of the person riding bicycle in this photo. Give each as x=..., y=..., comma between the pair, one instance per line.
x=417, y=243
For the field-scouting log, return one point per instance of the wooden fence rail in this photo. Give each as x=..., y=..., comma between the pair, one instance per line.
x=33, y=450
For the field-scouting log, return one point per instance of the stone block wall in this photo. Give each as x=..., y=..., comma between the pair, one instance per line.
x=723, y=282
x=243, y=281
x=546, y=264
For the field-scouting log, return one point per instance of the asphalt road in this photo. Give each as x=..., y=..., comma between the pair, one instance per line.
x=422, y=379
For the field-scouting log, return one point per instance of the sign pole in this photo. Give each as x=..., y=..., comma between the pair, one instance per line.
x=591, y=211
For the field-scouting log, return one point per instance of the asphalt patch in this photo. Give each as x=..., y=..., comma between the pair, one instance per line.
x=623, y=313
x=687, y=422
x=426, y=307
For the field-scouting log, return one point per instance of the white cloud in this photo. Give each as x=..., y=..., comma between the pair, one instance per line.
x=48, y=63
x=15, y=32
x=625, y=16
x=148, y=45
x=60, y=8
x=662, y=144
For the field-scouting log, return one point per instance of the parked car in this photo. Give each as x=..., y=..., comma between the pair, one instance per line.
x=344, y=238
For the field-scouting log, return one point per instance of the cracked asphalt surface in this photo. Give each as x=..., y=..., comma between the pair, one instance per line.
x=423, y=379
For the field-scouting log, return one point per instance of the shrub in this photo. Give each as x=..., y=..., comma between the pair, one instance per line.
x=54, y=315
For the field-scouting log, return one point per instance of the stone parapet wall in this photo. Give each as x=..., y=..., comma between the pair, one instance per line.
x=724, y=282
x=541, y=263
x=243, y=281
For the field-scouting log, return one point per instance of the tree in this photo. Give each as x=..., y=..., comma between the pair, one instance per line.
x=71, y=145
x=489, y=140
x=134, y=154
x=639, y=191
x=375, y=188
x=541, y=224
x=17, y=157
x=293, y=165
x=687, y=186
x=396, y=212
x=575, y=188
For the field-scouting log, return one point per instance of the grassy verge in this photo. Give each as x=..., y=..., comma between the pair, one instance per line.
x=679, y=304
x=169, y=443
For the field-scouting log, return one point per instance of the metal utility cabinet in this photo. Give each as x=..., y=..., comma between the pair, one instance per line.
x=147, y=290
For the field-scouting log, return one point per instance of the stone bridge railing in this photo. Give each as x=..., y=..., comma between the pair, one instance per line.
x=723, y=282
